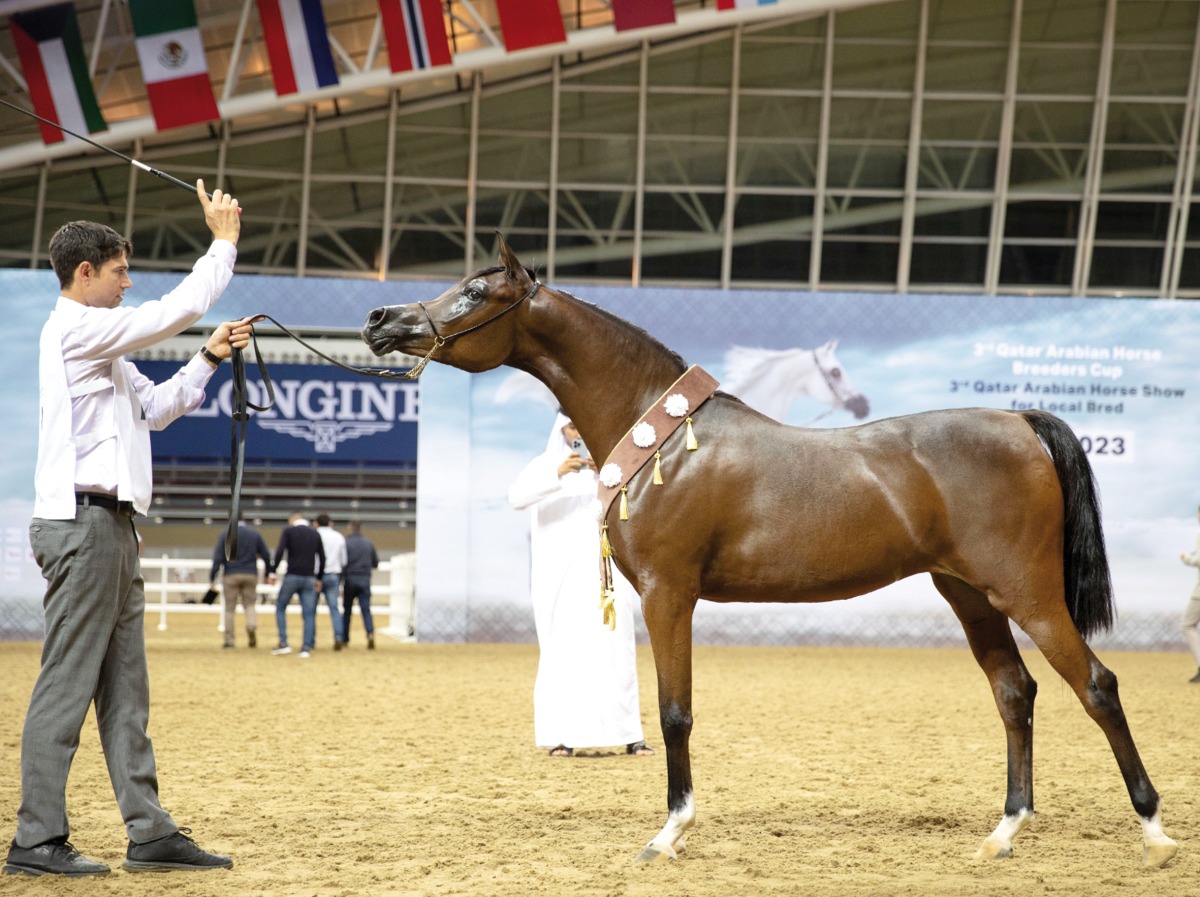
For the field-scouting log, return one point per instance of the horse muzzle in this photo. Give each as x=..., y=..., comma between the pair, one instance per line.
x=393, y=329
x=858, y=406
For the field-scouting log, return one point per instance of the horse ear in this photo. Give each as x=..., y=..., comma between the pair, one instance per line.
x=832, y=344
x=509, y=260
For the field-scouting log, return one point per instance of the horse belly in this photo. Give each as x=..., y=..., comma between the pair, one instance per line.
x=848, y=549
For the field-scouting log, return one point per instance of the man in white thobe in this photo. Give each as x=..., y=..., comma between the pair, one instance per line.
x=586, y=692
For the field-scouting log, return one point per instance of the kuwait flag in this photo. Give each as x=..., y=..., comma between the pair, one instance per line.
x=530, y=23
x=173, y=65
x=642, y=13
x=743, y=4
x=416, y=34
x=297, y=44
x=56, y=72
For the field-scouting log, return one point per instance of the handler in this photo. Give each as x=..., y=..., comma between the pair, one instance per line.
x=93, y=476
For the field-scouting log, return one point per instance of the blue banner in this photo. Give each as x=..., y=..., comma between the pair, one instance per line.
x=321, y=413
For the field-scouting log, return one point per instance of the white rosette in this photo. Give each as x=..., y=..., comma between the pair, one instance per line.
x=676, y=405
x=644, y=435
x=611, y=476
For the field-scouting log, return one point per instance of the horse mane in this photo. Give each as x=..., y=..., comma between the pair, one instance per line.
x=629, y=327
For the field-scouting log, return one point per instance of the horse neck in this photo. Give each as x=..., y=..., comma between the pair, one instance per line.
x=604, y=372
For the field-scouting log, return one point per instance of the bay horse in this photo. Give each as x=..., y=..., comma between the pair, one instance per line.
x=999, y=507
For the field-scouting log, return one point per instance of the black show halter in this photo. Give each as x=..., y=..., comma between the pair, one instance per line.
x=242, y=404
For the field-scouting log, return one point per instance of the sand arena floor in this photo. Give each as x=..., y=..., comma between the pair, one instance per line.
x=411, y=770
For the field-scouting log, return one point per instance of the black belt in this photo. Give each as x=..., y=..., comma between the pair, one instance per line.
x=100, y=500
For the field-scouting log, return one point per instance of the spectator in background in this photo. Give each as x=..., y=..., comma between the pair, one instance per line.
x=331, y=581
x=1191, y=614
x=301, y=545
x=240, y=583
x=586, y=691
x=361, y=559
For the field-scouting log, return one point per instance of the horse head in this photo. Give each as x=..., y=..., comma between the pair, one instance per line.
x=769, y=380
x=829, y=384
x=477, y=305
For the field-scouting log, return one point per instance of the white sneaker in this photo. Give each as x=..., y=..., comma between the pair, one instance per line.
x=282, y=649
x=305, y=654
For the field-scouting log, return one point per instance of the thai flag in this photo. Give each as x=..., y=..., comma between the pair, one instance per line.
x=297, y=44
x=416, y=34
x=743, y=4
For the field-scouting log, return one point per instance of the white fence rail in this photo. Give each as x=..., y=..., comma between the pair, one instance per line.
x=176, y=585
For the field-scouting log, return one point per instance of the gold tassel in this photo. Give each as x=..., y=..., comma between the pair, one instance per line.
x=692, y=444
x=624, y=505
x=657, y=470
x=605, y=545
x=610, y=611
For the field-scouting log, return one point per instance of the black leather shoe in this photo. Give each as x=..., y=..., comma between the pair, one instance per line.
x=56, y=857
x=1195, y=678
x=176, y=851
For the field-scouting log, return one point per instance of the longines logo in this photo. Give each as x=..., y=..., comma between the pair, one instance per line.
x=324, y=412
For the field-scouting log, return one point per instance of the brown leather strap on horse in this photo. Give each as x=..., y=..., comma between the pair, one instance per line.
x=665, y=416
x=643, y=441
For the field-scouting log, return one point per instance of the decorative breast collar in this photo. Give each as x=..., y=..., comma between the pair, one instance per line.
x=643, y=441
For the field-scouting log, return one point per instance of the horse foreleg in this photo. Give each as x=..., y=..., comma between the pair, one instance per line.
x=670, y=628
x=1014, y=691
x=1096, y=688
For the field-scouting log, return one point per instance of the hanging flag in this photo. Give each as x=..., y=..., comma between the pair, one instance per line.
x=297, y=44
x=743, y=4
x=416, y=34
x=642, y=13
x=171, y=54
x=56, y=72
x=530, y=23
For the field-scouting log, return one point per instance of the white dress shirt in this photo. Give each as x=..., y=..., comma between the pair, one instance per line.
x=97, y=409
x=335, y=549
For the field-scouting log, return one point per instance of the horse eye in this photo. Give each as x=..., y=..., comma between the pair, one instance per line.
x=835, y=373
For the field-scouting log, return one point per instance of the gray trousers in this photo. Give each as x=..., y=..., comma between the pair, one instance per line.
x=94, y=650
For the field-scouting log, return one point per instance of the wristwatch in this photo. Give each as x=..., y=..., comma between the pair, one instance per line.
x=209, y=356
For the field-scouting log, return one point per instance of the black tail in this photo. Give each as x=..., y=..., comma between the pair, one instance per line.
x=1085, y=562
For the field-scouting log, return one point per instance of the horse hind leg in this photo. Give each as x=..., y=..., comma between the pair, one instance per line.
x=1056, y=637
x=1014, y=691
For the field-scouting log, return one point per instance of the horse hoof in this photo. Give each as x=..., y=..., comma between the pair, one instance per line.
x=654, y=853
x=993, y=850
x=1158, y=855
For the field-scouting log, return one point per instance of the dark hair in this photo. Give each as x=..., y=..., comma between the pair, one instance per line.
x=322, y=520
x=84, y=241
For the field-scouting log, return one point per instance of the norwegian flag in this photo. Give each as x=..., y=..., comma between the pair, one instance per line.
x=416, y=34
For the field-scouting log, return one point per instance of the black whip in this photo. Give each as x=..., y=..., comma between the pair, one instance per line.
x=108, y=149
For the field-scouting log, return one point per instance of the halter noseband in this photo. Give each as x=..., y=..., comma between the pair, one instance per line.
x=439, y=340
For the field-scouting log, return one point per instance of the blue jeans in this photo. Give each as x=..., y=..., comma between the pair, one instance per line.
x=331, y=583
x=357, y=587
x=306, y=587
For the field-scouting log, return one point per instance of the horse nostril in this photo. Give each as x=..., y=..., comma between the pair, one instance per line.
x=375, y=318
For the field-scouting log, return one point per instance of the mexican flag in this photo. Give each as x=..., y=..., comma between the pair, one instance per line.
x=56, y=72
x=171, y=54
